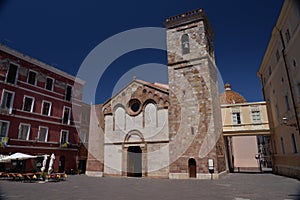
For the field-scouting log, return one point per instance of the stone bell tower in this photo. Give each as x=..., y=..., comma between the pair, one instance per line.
x=195, y=124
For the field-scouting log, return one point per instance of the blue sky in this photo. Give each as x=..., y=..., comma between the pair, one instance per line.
x=63, y=33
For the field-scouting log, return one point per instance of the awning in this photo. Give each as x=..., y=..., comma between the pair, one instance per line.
x=18, y=156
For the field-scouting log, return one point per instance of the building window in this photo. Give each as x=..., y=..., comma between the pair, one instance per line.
x=275, y=147
x=7, y=100
x=64, y=135
x=12, y=73
x=82, y=136
x=4, y=128
x=69, y=93
x=85, y=117
x=43, y=134
x=287, y=103
x=24, y=130
x=28, y=103
x=49, y=83
x=277, y=55
x=295, y=150
x=294, y=63
x=32, y=78
x=46, y=110
x=66, y=115
x=287, y=35
x=185, y=44
x=236, y=118
x=256, y=117
x=282, y=145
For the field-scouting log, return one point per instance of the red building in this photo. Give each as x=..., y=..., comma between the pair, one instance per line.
x=36, y=103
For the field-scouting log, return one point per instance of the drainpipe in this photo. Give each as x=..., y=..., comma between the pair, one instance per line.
x=289, y=79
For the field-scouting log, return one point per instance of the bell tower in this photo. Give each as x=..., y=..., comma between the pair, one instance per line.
x=195, y=124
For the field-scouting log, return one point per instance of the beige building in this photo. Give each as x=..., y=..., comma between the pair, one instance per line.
x=246, y=132
x=280, y=78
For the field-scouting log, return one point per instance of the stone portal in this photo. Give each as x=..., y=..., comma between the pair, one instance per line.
x=134, y=161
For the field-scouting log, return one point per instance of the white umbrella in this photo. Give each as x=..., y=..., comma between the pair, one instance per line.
x=44, y=162
x=18, y=156
x=2, y=159
x=52, y=158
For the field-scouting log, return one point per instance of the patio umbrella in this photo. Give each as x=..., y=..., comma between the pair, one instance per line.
x=52, y=158
x=18, y=156
x=2, y=158
x=44, y=163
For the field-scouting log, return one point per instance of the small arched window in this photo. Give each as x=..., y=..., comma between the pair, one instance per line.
x=185, y=44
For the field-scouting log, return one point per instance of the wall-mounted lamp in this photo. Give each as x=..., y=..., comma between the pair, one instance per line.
x=285, y=122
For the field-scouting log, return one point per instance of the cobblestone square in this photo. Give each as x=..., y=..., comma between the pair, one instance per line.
x=231, y=187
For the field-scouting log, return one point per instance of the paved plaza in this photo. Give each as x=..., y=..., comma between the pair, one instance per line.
x=232, y=186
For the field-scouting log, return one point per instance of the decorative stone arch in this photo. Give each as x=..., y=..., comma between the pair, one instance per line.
x=147, y=101
x=166, y=104
x=145, y=114
x=119, y=122
x=118, y=105
x=132, y=133
x=135, y=149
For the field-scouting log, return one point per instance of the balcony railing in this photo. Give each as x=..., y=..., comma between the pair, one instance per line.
x=6, y=111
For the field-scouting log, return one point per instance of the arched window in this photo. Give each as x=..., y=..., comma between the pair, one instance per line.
x=185, y=44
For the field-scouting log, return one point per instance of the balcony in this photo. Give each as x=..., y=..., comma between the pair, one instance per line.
x=6, y=111
x=3, y=142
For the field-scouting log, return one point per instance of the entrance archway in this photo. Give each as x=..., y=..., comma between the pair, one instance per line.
x=134, y=161
x=192, y=168
x=62, y=161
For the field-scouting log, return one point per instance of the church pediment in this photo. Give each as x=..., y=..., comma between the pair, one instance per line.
x=135, y=95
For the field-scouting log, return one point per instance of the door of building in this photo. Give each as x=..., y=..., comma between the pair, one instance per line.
x=134, y=161
x=62, y=161
x=192, y=168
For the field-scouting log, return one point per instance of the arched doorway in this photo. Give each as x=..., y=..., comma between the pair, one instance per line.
x=62, y=161
x=192, y=168
x=134, y=161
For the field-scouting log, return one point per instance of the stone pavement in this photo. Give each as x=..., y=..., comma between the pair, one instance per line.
x=231, y=187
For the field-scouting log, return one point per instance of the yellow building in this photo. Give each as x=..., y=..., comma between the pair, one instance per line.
x=246, y=132
x=280, y=78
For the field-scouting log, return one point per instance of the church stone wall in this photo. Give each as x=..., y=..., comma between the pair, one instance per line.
x=113, y=160
x=146, y=128
x=95, y=162
x=158, y=160
x=115, y=133
x=194, y=112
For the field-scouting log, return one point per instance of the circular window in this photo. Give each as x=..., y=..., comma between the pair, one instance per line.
x=134, y=105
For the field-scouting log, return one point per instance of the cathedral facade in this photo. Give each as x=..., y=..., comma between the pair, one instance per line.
x=165, y=131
